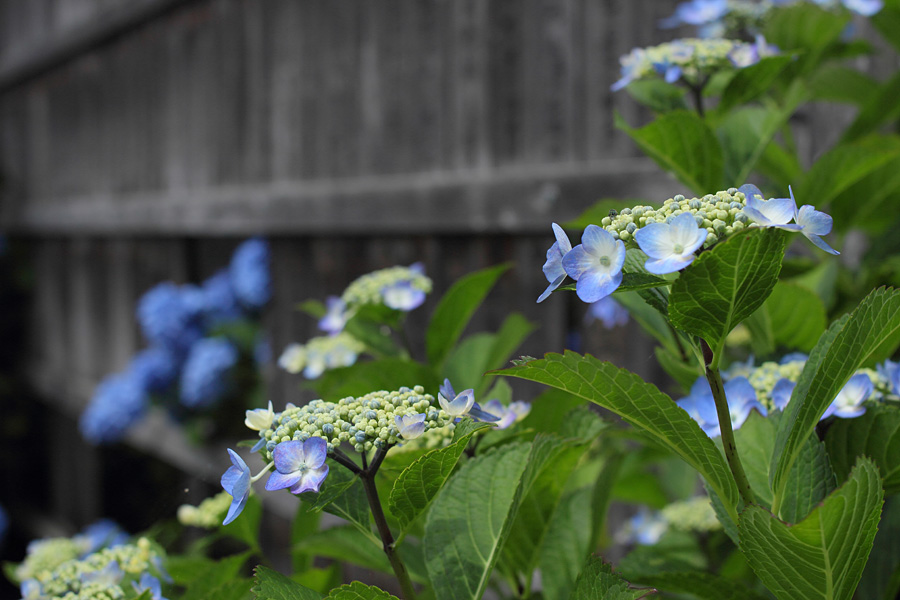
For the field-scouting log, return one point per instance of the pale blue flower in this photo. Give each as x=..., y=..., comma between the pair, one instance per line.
x=299, y=466
x=31, y=590
x=402, y=295
x=607, y=311
x=866, y=8
x=781, y=393
x=814, y=224
x=149, y=582
x=595, y=264
x=336, y=315
x=670, y=246
x=509, y=415
x=553, y=269
x=739, y=368
x=631, y=68
x=104, y=533
x=739, y=395
x=457, y=405
x=206, y=377
x=776, y=212
x=848, y=403
x=249, y=271
x=236, y=482
x=109, y=575
x=890, y=370
x=669, y=68
x=411, y=426
x=646, y=527
x=696, y=12
x=745, y=55
x=793, y=357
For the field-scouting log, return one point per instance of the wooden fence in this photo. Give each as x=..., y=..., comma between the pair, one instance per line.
x=141, y=140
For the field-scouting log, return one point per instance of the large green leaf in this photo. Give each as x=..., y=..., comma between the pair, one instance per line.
x=639, y=403
x=342, y=494
x=875, y=434
x=420, y=482
x=753, y=81
x=869, y=203
x=681, y=142
x=455, y=309
x=844, y=166
x=469, y=521
x=887, y=22
x=839, y=83
x=803, y=26
x=567, y=542
x=870, y=334
x=272, y=585
x=726, y=284
x=598, y=581
x=214, y=576
x=657, y=95
x=879, y=109
x=702, y=586
x=744, y=135
x=792, y=317
x=822, y=557
x=881, y=578
x=359, y=591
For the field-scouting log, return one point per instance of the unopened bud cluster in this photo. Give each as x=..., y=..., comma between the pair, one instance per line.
x=695, y=58
x=208, y=514
x=721, y=214
x=320, y=354
x=368, y=288
x=45, y=555
x=67, y=579
x=366, y=422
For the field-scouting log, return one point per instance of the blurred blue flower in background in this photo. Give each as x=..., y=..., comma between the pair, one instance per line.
x=170, y=316
x=220, y=304
x=119, y=401
x=4, y=524
x=607, y=311
x=249, y=272
x=206, y=379
x=155, y=369
x=104, y=533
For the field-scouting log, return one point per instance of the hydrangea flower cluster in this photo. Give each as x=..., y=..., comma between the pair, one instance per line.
x=400, y=288
x=366, y=422
x=670, y=236
x=691, y=60
x=47, y=554
x=98, y=576
x=191, y=355
x=206, y=515
x=769, y=387
x=320, y=354
x=724, y=18
x=691, y=515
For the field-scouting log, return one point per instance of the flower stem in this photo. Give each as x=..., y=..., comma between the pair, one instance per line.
x=731, y=454
x=387, y=539
x=345, y=460
x=697, y=92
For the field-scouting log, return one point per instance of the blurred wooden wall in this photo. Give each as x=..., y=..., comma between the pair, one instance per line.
x=141, y=140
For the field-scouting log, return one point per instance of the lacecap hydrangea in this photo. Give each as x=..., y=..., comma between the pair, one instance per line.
x=400, y=288
x=320, y=354
x=691, y=60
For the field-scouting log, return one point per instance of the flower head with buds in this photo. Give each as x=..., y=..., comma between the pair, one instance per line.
x=670, y=246
x=595, y=264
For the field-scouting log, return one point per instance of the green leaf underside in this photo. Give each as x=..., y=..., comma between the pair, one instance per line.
x=359, y=591
x=598, y=581
x=455, y=309
x=420, y=482
x=703, y=586
x=469, y=521
x=639, y=403
x=875, y=434
x=850, y=343
x=272, y=585
x=726, y=284
x=681, y=142
x=823, y=556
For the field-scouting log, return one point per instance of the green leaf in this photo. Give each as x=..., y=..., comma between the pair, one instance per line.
x=304, y=524
x=684, y=372
x=382, y=374
x=598, y=581
x=778, y=323
x=455, y=309
x=724, y=285
x=881, y=578
x=803, y=27
x=657, y=95
x=822, y=556
x=639, y=403
x=744, y=135
x=811, y=480
x=887, y=22
x=780, y=165
x=870, y=334
x=868, y=204
x=875, y=434
x=881, y=108
x=531, y=526
x=567, y=543
x=342, y=494
x=751, y=82
x=272, y=585
x=246, y=528
x=359, y=591
x=844, y=166
x=469, y=521
x=214, y=576
x=682, y=143
x=838, y=83
x=419, y=483
x=339, y=480
x=703, y=586
x=755, y=440
x=313, y=308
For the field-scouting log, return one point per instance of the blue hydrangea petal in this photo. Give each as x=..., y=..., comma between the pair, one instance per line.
x=654, y=240
x=781, y=393
x=446, y=389
x=259, y=445
x=591, y=287
x=607, y=311
x=550, y=288
x=279, y=481
x=814, y=221
x=479, y=415
x=289, y=456
x=866, y=8
x=599, y=241
x=402, y=296
x=310, y=480
x=670, y=264
x=773, y=212
x=316, y=451
x=751, y=191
